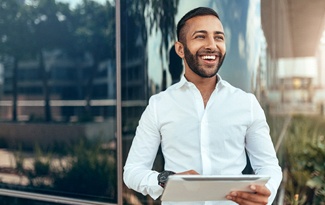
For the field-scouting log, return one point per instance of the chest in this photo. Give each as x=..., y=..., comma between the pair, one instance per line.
x=217, y=125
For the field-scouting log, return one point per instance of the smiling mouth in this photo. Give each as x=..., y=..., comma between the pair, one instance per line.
x=208, y=57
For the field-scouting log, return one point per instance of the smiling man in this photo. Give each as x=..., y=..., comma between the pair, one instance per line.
x=204, y=125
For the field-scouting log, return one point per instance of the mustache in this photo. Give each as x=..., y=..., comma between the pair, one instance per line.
x=209, y=52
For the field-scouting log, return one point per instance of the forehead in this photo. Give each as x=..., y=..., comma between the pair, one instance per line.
x=207, y=23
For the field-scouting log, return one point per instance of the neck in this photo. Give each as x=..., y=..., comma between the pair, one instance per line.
x=205, y=85
x=202, y=83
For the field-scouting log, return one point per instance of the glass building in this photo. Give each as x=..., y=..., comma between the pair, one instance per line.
x=76, y=75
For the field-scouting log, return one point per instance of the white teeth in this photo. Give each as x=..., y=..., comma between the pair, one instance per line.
x=209, y=57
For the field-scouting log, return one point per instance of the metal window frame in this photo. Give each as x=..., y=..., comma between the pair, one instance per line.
x=118, y=103
x=48, y=198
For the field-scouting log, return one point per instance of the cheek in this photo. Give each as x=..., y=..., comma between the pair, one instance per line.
x=193, y=50
x=222, y=48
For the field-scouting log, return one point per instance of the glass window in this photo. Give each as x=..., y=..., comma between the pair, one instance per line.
x=58, y=99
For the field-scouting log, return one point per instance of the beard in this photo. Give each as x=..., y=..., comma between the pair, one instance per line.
x=193, y=62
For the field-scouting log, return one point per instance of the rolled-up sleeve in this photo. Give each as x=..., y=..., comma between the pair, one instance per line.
x=138, y=174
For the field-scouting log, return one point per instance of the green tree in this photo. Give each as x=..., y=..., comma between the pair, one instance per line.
x=15, y=37
x=162, y=18
x=303, y=160
x=93, y=34
x=51, y=32
x=153, y=15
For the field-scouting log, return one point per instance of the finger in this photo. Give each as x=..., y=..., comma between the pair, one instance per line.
x=260, y=189
x=189, y=172
x=244, y=198
x=241, y=201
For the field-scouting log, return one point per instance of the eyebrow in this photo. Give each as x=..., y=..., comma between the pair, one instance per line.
x=205, y=32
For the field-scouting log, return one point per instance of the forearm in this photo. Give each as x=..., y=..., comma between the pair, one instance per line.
x=142, y=181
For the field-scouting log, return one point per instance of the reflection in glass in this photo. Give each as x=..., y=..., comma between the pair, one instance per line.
x=58, y=98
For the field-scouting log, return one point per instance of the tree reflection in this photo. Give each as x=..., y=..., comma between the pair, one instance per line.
x=29, y=32
x=16, y=40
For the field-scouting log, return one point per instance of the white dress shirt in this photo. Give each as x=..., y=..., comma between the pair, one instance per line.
x=210, y=140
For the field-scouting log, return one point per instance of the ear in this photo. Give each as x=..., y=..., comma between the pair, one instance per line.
x=179, y=48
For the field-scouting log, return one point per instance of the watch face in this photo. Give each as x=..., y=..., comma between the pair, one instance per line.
x=163, y=176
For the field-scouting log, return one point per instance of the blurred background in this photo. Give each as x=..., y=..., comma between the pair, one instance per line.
x=76, y=75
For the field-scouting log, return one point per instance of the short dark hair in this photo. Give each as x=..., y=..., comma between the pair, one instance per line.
x=200, y=11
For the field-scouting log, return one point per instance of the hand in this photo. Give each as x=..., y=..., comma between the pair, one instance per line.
x=188, y=172
x=260, y=195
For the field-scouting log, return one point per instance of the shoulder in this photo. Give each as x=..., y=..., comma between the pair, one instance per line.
x=237, y=94
x=166, y=93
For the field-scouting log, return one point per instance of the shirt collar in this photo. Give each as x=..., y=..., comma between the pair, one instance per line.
x=183, y=81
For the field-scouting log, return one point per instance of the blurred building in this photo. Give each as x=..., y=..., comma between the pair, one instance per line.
x=295, y=79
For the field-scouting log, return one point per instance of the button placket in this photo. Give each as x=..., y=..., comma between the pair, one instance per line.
x=205, y=145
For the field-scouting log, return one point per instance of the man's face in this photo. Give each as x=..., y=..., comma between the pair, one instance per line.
x=204, y=70
x=204, y=45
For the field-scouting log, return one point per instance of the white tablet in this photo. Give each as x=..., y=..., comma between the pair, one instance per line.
x=208, y=188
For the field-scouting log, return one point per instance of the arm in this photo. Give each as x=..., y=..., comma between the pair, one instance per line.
x=138, y=174
x=261, y=152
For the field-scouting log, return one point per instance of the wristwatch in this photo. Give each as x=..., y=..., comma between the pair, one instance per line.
x=163, y=177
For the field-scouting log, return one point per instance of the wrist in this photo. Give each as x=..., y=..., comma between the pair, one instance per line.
x=163, y=177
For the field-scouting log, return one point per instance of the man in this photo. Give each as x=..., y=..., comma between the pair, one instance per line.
x=204, y=124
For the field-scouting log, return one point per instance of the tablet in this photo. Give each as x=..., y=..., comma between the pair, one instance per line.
x=208, y=188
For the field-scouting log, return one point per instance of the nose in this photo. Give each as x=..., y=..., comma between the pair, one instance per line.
x=211, y=43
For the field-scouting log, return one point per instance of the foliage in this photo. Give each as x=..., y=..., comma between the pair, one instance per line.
x=19, y=161
x=162, y=18
x=302, y=158
x=90, y=35
x=84, y=32
x=87, y=171
x=29, y=31
x=15, y=33
x=153, y=16
x=313, y=161
x=16, y=40
x=40, y=175
x=91, y=168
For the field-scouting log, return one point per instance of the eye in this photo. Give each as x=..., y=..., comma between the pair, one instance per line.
x=219, y=37
x=199, y=37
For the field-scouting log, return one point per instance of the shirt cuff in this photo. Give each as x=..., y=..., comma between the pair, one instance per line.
x=273, y=194
x=155, y=190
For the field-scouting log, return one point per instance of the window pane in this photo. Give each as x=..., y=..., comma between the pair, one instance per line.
x=58, y=98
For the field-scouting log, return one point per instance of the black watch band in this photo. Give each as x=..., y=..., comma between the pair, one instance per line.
x=163, y=177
